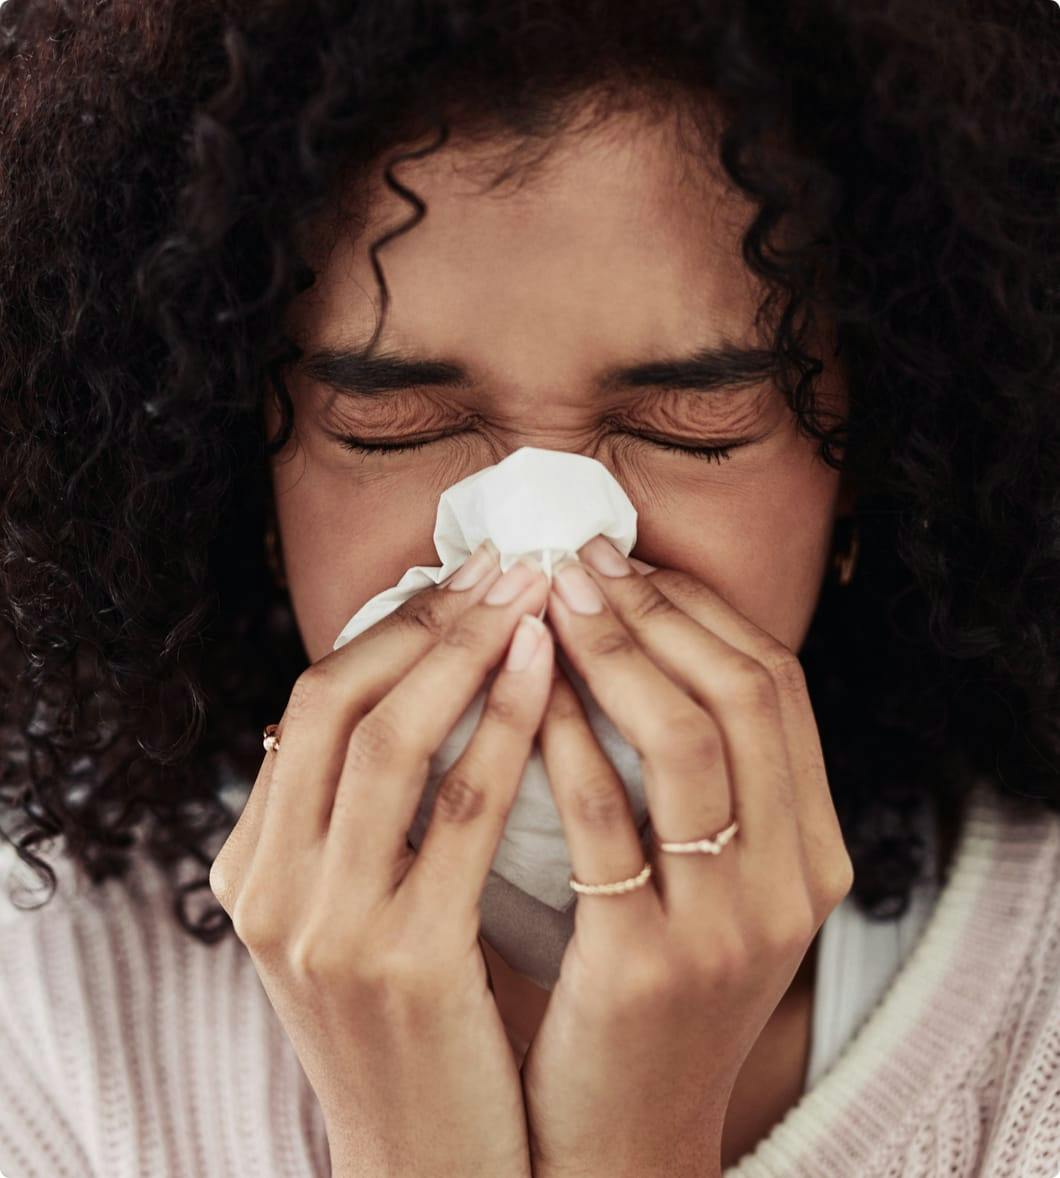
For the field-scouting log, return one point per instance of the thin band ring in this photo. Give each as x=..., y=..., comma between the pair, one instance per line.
x=612, y=889
x=699, y=846
x=706, y=846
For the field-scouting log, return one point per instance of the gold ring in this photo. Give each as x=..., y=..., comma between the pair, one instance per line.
x=611, y=889
x=705, y=846
x=698, y=846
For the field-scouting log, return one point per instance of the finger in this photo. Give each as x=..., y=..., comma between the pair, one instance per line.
x=384, y=772
x=682, y=748
x=329, y=698
x=598, y=821
x=475, y=796
x=741, y=695
x=827, y=861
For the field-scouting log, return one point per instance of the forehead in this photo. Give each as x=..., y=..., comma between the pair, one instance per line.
x=623, y=236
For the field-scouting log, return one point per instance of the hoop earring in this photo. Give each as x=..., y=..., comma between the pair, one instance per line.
x=845, y=556
x=272, y=555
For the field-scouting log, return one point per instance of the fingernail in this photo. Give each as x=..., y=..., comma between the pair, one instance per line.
x=577, y=588
x=604, y=557
x=474, y=568
x=525, y=642
x=641, y=566
x=510, y=584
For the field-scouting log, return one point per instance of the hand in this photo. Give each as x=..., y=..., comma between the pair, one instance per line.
x=663, y=990
x=368, y=951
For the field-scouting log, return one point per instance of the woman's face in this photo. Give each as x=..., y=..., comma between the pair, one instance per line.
x=617, y=254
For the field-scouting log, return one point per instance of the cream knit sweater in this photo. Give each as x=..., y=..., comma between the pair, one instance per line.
x=129, y=1050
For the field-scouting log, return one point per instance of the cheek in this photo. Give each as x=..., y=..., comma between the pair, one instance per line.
x=763, y=543
x=343, y=544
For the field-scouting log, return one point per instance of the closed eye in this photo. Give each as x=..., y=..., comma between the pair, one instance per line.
x=708, y=453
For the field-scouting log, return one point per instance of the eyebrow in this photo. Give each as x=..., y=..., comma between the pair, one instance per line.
x=710, y=369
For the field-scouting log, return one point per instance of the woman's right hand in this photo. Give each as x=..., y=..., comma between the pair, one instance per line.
x=368, y=950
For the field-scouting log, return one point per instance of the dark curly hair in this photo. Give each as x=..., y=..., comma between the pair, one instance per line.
x=156, y=162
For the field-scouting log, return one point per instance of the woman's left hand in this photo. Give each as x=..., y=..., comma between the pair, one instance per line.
x=664, y=989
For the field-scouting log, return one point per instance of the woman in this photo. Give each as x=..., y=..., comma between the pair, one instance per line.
x=279, y=274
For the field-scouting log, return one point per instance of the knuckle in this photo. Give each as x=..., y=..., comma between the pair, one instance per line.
x=459, y=799
x=599, y=803
x=752, y=684
x=790, y=929
x=315, y=959
x=255, y=924
x=786, y=670
x=615, y=640
x=689, y=738
x=219, y=883
x=726, y=957
x=649, y=602
x=438, y=867
x=427, y=612
x=644, y=983
x=374, y=741
x=839, y=880
x=463, y=633
x=374, y=946
x=502, y=708
x=306, y=691
x=410, y=968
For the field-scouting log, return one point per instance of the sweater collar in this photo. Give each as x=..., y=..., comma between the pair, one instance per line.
x=946, y=999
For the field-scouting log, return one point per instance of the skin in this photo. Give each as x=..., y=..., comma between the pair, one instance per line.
x=616, y=252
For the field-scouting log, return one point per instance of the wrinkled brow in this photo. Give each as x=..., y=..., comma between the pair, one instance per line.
x=710, y=369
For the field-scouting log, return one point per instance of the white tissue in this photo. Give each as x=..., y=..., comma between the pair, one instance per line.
x=546, y=503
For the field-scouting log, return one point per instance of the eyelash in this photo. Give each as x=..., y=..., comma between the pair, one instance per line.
x=708, y=453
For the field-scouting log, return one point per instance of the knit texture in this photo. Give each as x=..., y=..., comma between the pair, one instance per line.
x=130, y=1050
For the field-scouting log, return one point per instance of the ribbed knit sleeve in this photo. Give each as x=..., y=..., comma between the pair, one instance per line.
x=130, y=1050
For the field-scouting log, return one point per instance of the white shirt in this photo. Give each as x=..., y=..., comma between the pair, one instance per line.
x=857, y=958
